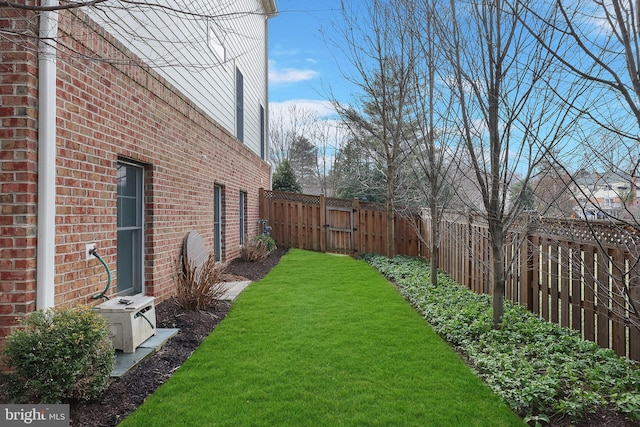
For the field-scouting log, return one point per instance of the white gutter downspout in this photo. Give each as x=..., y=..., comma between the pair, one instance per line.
x=272, y=11
x=46, y=245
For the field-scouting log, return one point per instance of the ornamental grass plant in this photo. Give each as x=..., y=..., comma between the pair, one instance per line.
x=198, y=287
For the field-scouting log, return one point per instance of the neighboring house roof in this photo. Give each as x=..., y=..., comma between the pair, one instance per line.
x=606, y=192
x=609, y=178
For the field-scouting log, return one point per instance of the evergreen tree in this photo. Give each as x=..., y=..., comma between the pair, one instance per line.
x=284, y=179
x=522, y=195
x=303, y=158
x=356, y=175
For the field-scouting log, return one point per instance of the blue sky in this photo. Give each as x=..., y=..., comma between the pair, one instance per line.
x=302, y=64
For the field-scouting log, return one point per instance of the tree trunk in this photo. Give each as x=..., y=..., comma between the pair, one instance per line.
x=390, y=214
x=435, y=242
x=497, y=245
x=390, y=230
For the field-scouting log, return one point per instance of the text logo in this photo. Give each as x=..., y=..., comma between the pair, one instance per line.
x=34, y=415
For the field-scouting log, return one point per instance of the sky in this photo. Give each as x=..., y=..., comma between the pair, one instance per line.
x=303, y=65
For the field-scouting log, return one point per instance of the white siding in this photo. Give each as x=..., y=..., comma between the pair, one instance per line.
x=177, y=46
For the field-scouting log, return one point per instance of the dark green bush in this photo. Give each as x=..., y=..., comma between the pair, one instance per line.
x=60, y=355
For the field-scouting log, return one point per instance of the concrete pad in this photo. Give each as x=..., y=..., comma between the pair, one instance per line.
x=127, y=361
x=233, y=289
x=160, y=338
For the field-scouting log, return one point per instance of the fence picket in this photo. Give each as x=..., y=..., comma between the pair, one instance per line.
x=576, y=286
x=589, y=298
x=602, y=298
x=618, y=304
x=554, y=295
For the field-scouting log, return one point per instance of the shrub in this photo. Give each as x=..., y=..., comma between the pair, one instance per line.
x=61, y=354
x=629, y=404
x=257, y=248
x=198, y=287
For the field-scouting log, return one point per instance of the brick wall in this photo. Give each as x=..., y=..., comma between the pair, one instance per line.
x=18, y=167
x=109, y=110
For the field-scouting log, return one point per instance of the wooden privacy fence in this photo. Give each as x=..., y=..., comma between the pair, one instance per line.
x=557, y=270
x=325, y=224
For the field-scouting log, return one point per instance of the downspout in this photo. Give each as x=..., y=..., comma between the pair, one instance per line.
x=46, y=244
x=271, y=11
x=267, y=147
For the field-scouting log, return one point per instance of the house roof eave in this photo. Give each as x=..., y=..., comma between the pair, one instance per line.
x=270, y=8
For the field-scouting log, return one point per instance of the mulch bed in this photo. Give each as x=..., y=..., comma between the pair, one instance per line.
x=126, y=393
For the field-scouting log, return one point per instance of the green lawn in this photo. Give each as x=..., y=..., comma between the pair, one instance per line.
x=323, y=340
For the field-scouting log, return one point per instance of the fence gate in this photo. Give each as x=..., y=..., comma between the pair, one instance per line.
x=340, y=226
x=325, y=224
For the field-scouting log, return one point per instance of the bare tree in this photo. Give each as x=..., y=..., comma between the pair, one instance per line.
x=329, y=138
x=309, y=141
x=552, y=197
x=508, y=116
x=287, y=125
x=435, y=146
x=381, y=49
x=601, y=51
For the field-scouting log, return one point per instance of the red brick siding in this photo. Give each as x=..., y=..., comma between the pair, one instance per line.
x=106, y=111
x=18, y=168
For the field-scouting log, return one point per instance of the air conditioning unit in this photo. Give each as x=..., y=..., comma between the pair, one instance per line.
x=132, y=320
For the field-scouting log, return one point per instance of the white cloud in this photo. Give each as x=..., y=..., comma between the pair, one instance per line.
x=289, y=75
x=320, y=108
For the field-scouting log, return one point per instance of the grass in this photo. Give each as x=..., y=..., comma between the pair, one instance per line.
x=323, y=340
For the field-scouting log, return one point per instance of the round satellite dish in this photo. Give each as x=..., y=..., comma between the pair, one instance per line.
x=194, y=250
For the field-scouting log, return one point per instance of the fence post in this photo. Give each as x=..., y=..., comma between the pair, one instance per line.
x=323, y=223
x=355, y=226
x=602, y=298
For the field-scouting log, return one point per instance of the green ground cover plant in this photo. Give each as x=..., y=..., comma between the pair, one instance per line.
x=323, y=340
x=539, y=368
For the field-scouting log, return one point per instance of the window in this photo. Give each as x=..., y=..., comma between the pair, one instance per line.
x=239, y=105
x=130, y=229
x=243, y=216
x=215, y=44
x=263, y=147
x=217, y=222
